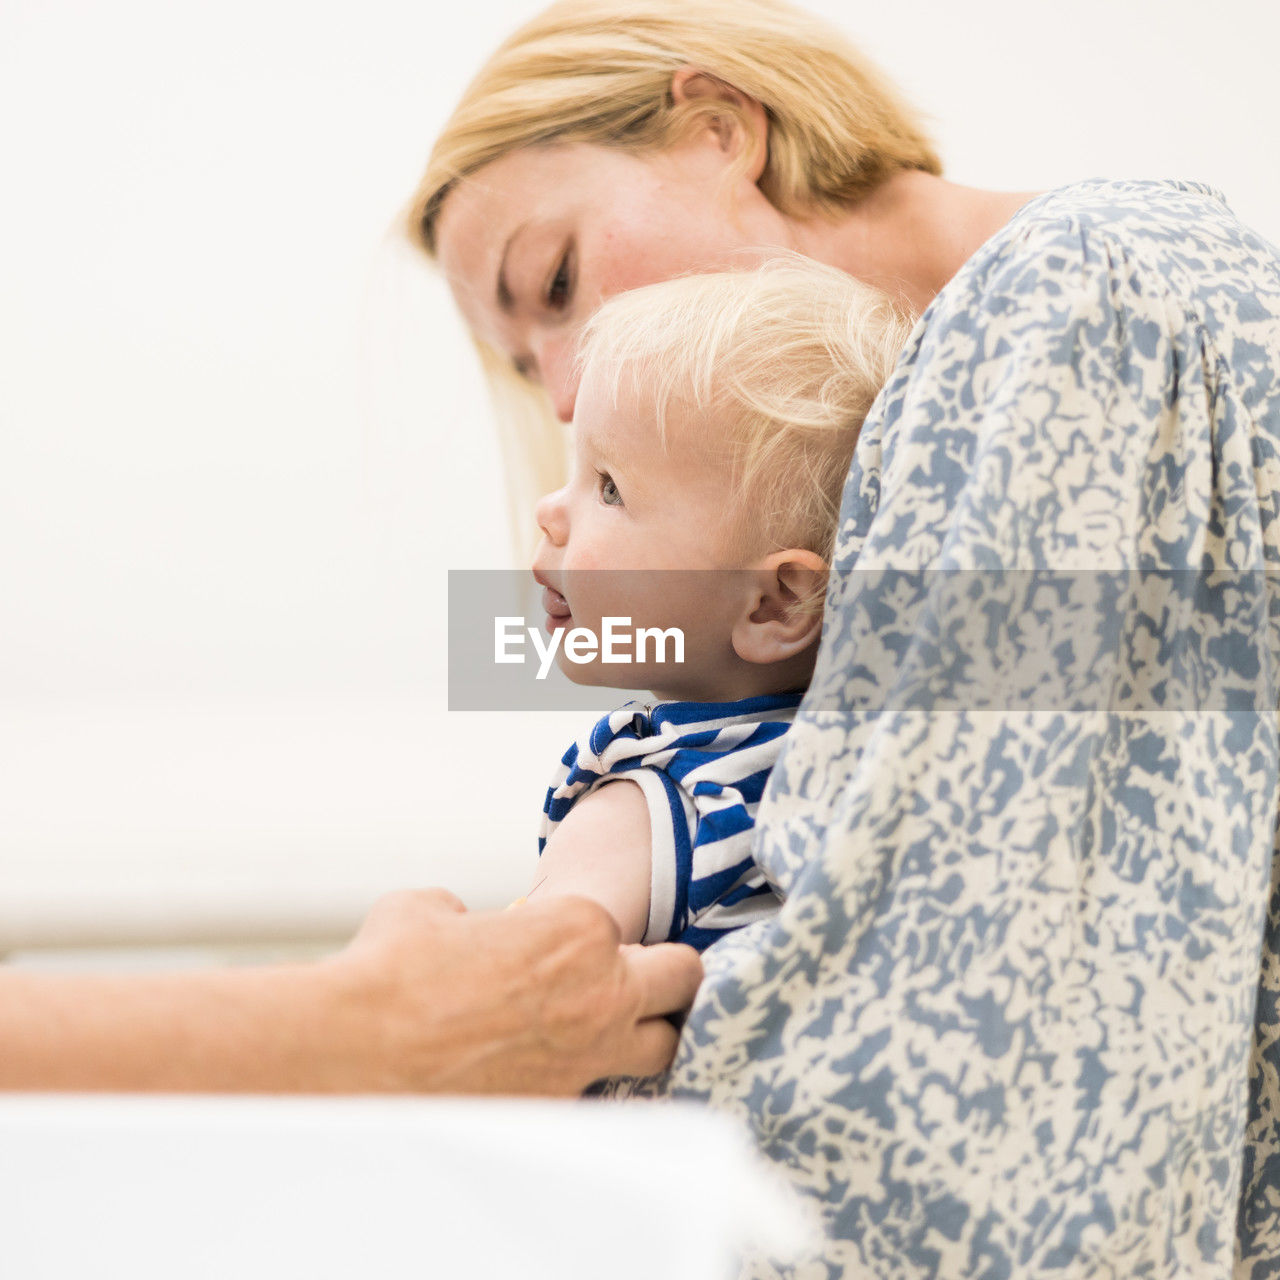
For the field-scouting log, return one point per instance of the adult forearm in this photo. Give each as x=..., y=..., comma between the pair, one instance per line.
x=348, y=1025
x=426, y=999
x=267, y=1030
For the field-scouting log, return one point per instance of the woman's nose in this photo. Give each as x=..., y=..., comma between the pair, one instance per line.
x=551, y=514
x=558, y=373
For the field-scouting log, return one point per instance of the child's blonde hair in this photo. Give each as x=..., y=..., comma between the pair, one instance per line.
x=600, y=71
x=782, y=361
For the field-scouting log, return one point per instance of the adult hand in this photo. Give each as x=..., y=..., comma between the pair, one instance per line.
x=426, y=999
x=539, y=999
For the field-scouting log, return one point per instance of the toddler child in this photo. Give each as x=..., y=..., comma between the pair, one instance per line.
x=713, y=430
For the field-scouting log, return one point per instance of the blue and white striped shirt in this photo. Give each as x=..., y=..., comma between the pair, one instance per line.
x=702, y=767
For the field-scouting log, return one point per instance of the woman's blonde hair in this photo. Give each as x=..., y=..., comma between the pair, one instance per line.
x=601, y=71
x=778, y=365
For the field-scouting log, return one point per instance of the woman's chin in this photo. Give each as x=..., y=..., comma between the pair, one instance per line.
x=560, y=622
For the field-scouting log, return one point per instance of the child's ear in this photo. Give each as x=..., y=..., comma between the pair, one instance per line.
x=780, y=618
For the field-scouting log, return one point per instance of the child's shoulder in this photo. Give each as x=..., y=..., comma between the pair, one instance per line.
x=637, y=730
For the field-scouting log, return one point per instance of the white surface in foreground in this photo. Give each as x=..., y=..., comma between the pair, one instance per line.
x=247, y=1188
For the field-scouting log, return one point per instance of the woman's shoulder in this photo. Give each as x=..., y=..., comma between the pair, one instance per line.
x=1108, y=245
x=1103, y=202
x=1169, y=235
x=1134, y=210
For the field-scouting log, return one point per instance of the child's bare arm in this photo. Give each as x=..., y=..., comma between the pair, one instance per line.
x=604, y=850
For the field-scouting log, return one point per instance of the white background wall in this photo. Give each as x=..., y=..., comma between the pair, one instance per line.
x=242, y=437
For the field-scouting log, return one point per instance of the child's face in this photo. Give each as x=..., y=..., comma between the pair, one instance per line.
x=644, y=531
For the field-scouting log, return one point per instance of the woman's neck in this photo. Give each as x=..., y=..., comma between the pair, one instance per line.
x=910, y=235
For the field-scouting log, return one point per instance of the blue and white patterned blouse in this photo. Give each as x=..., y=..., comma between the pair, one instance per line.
x=702, y=767
x=1017, y=1016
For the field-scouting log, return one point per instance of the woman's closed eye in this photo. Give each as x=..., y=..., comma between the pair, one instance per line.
x=559, y=289
x=609, y=494
x=556, y=297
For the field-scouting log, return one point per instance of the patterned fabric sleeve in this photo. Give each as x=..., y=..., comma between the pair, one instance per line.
x=1025, y=823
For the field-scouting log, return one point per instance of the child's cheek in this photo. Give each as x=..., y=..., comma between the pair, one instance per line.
x=589, y=554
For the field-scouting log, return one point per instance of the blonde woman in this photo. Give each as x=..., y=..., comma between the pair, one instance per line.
x=1017, y=1012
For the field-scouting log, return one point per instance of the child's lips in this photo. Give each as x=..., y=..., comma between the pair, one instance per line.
x=557, y=609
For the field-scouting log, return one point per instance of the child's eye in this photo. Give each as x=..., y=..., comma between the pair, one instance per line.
x=609, y=494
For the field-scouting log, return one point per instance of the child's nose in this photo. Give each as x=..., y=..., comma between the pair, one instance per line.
x=551, y=514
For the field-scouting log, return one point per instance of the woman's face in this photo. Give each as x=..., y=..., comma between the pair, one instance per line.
x=533, y=242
